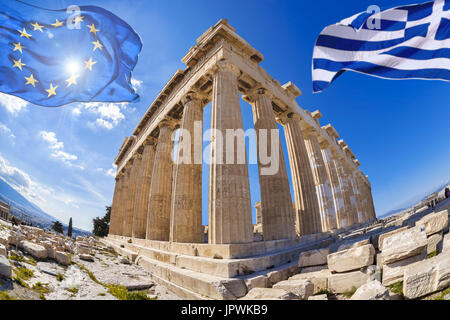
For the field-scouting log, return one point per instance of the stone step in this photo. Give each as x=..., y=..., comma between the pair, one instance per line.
x=226, y=268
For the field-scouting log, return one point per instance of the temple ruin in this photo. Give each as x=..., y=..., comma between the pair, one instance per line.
x=156, y=215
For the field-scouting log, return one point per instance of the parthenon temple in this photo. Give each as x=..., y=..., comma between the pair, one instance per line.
x=157, y=207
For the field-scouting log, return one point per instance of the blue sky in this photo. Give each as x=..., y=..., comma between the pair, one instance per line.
x=61, y=158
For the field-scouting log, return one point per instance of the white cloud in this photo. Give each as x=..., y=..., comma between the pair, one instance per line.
x=12, y=103
x=136, y=84
x=22, y=183
x=76, y=111
x=108, y=115
x=57, y=148
x=6, y=130
x=111, y=172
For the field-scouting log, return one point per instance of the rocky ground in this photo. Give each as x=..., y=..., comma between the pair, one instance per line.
x=405, y=256
x=47, y=266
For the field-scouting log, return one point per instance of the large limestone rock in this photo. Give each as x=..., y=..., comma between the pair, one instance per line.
x=351, y=245
x=257, y=282
x=433, y=242
x=319, y=279
x=393, y=272
x=427, y=276
x=404, y=244
x=5, y=267
x=302, y=288
x=86, y=257
x=385, y=235
x=446, y=243
x=269, y=294
x=3, y=251
x=341, y=282
x=434, y=222
x=319, y=297
x=313, y=258
x=351, y=259
x=372, y=290
x=62, y=258
x=34, y=249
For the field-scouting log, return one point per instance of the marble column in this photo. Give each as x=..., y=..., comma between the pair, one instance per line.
x=159, y=206
x=278, y=218
x=131, y=195
x=114, y=208
x=123, y=199
x=230, y=212
x=350, y=191
x=186, y=219
x=258, y=212
x=364, y=200
x=306, y=205
x=345, y=190
x=372, y=212
x=143, y=189
x=357, y=195
x=333, y=177
x=321, y=181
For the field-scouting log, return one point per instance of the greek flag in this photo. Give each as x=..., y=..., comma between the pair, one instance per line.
x=407, y=42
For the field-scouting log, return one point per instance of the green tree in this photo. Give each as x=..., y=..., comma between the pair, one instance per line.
x=57, y=227
x=69, y=229
x=101, y=225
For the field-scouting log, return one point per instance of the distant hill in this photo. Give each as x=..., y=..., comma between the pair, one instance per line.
x=415, y=200
x=29, y=212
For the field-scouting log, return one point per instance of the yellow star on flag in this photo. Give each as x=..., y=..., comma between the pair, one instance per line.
x=24, y=33
x=18, y=64
x=93, y=30
x=97, y=44
x=18, y=46
x=88, y=64
x=79, y=19
x=37, y=26
x=72, y=80
x=51, y=91
x=31, y=80
x=58, y=23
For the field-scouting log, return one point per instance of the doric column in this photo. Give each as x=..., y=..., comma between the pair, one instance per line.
x=338, y=198
x=230, y=213
x=371, y=206
x=278, y=220
x=143, y=189
x=357, y=195
x=306, y=204
x=131, y=195
x=158, y=220
x=114, y=208
x=186, y=219
x=363, y=197
x=123, y=199
x=321, y=180
x=258, y=212
x=345, y=189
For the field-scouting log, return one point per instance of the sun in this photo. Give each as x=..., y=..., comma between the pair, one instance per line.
x=73, y=66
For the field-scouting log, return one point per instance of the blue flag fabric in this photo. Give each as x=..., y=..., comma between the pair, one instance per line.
x=407, y=42
x=54, y=57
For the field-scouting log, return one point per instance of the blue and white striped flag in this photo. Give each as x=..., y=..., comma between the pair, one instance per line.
x=408, y=42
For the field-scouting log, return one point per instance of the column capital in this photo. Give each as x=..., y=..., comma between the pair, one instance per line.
x=194, y=95
x=168, y=121
x=226, y=65
x=150, y=141
x=331, y=131
x=286, y=116
x=255, y=92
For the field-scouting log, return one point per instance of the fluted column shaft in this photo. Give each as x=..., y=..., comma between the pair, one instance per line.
x=114, y=208
x=278, y=220
x=372, y=212
x=123, y=200
x=338, y=198
x=230, y=215
x=345, y=189
x=186, y=219
x=131, y=196
x=158, y=221
x=143, y=190
x=364, y=198
x=357, y=195
x=307, y=207
x=322, y=182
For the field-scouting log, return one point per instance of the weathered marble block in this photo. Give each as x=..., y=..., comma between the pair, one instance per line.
x=351, y=259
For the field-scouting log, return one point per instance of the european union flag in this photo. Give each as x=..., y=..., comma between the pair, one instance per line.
x=54, y=57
